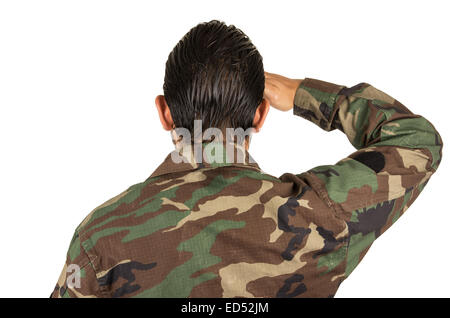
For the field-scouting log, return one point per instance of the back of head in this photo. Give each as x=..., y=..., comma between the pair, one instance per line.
x=214, y=74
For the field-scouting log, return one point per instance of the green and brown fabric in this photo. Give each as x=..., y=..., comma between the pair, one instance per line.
x=230, y=230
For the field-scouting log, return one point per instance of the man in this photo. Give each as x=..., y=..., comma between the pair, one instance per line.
x=209, y=223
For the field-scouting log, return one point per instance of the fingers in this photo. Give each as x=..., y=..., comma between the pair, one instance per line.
x=280, y=90
x=270, y=91
x=269, y=75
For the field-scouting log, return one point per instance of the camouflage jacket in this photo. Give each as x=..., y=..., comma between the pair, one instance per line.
x=231, y=230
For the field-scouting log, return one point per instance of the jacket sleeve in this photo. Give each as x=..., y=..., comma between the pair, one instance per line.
x=78, y=278
x=396, y=154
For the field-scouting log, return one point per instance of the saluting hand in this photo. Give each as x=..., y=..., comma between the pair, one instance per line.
x=280, y=91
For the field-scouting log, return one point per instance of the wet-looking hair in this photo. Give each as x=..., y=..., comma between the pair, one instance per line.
x=215, y=74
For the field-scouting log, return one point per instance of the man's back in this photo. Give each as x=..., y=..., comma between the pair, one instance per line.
x=230, y=230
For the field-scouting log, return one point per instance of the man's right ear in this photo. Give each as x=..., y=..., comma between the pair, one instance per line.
x=164, y=113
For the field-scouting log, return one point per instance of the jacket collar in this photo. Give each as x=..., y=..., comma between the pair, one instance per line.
x=211, y=154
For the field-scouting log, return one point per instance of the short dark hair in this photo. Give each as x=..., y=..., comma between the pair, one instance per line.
x=215, y=74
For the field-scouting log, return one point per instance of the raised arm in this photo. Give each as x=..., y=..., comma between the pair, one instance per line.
x=397, y=152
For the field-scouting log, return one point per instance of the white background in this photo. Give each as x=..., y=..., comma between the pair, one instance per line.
x=78, y=123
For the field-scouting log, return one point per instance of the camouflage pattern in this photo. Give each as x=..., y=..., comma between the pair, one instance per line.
x=231, y=230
